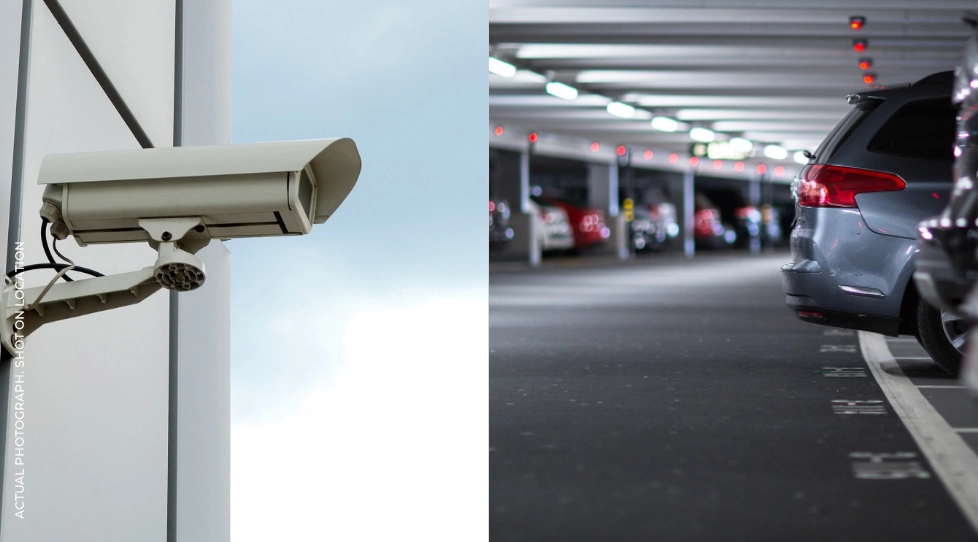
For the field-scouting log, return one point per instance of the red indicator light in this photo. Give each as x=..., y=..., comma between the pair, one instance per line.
x=492, y=206
x=595, y=147
x=621, y=150
x=859, y=45
x=856, y=22
x=779, y=171
x=694, y=161
x=738, y=166
x=810, y=314
x=717, y=164
x=673, y=158
x=837, y=186
x=869, y=78
x=935, y=195
x=533, y=137
x=499, y=130
x=865, y=63
x=648, y=155
x=761, y=169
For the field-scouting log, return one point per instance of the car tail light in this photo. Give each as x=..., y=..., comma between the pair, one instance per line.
x=492, y=206
x=837, y=186
x=705, y=222
x=705, y=215
x=589, y=222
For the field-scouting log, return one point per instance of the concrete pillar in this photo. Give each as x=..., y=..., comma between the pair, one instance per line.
x=509, y=180
x=755, y=201
x=525, y=245
x=602, y=181
x=619, y=236
x=602, y=185
x=688, y=209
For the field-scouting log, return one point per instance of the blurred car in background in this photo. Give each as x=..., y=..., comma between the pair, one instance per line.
x=653, y=225
x=747, y=225
x=647, y=233
x=858, y=203
x=554, y=231
x=500, y=233
x=588, y=224
x=709, y=232
x=654, y=222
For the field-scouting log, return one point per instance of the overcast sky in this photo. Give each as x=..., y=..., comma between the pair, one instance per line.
x=359, y=352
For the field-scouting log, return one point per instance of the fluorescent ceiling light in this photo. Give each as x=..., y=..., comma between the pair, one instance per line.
x=775, y=152
x=664, y=124
x=619, y=109
x=499, y=67
x=561, y=90
x=801, y=158
x=740, y=144
x=702, y=134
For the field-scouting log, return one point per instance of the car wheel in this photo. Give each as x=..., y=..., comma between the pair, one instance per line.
x=942, y=335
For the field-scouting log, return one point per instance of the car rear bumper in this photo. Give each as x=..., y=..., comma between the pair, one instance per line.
x=807, y=310
x=810, y=289
x=557, y=242
x=847, y=270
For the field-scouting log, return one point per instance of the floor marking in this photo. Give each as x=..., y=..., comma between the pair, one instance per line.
x=928, y=358
x=966, y=429
x=892, y=466
x=838, y=348
x=844, y=372
x=901, y=340
x=872, y=406
x=950, y=457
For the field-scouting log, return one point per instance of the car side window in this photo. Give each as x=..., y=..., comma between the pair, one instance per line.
x=921, y=129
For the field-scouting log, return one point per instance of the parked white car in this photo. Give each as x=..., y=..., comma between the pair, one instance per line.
x=552, y=226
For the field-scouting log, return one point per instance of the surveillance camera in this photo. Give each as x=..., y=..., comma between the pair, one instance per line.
x=249, y=190
x=177, y=200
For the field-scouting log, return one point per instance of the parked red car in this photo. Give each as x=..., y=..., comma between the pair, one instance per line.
x=708, y=230
x=588, y=224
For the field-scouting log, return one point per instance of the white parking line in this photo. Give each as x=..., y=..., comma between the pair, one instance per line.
x=928, y=358
x=966, y=429
x=937, y=387
x=950, y=457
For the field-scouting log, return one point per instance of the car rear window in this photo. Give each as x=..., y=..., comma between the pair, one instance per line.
x=921, y=129
x=841, y=132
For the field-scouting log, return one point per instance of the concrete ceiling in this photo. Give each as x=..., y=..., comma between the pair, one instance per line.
x=772, y=71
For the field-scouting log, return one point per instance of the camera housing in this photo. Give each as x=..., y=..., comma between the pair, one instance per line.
x=248, y=190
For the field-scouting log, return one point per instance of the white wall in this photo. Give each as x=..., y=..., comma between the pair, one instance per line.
x=96, y=387
x=204, y=476
x=10, y=14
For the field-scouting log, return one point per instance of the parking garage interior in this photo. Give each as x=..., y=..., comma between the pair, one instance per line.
x=652, y=384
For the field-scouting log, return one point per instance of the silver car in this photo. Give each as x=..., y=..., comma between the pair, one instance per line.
x=882, y=170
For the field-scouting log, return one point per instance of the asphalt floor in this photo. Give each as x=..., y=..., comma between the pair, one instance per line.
x=678, y=399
